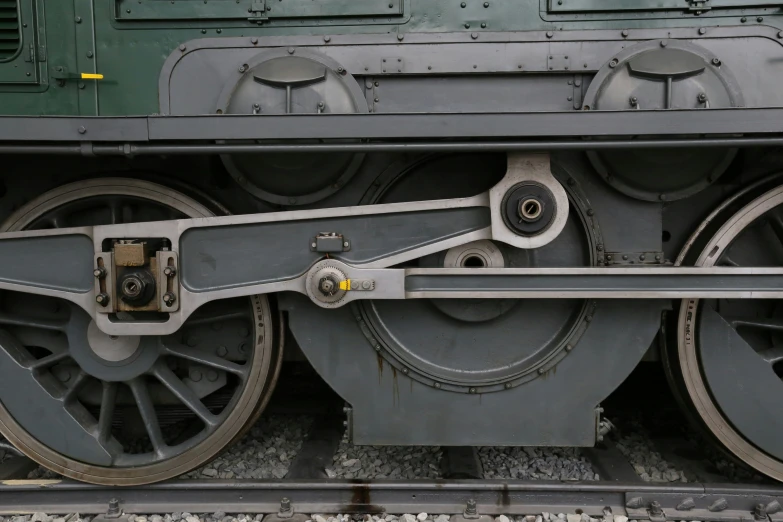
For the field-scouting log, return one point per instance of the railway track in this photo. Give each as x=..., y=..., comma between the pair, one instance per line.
x=706, y=488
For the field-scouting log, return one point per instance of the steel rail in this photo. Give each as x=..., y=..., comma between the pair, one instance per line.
x=493, y=497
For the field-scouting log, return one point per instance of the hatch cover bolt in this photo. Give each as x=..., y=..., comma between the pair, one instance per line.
x=243, y=68
x=291, y=50
x=400, y=37
x=664, y=43
x=102, y=299
x=715, y=62
x=549, y=34
x=182, y=47
x=702, y=30
x=760, y=512
x=78, y=19
x=624, y=33
x=614, y=63
x=82, y=130
x=254, y=40
x=760, y=19
x=744, y=19
x=474, y=35
x=327, y=39
x=486, y=4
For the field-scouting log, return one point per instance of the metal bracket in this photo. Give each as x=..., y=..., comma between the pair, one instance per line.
x=258, y=12
x=329, y=243
x=168, y=281
x=699, y=6
x=104, y=282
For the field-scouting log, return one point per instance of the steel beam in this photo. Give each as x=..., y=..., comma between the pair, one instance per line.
x=400, y=126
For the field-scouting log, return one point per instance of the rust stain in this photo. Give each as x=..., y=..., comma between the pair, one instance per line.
x=395, y=387
x=380, y=368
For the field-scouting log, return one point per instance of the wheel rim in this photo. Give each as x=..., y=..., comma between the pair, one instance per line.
x=193, y=392
x=728, y=351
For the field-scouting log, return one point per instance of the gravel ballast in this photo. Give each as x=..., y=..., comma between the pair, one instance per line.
x=528, y=463
x=265, y=452
x=378, y=462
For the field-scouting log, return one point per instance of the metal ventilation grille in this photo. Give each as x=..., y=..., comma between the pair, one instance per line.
x=10, y=39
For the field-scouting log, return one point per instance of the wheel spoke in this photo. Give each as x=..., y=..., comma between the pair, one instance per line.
x=147, y=410
x=183, y=393
x=76, y=385
x=49, y=360
x=772, y=355
x=775, y=222
x=207, y=359
x=108, y=403
x=764, y=324
x=223, y=316
x=33, y=322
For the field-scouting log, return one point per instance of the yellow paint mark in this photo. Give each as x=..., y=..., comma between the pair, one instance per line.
x=345, y=285
x=91, y=76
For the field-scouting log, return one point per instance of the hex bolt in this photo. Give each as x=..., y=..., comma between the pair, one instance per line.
x=222, y=351
x=702, y=30
x=169, y=298
x=102, y=299
x=99, y=272
x=613, y=63
x=195, y=375
x=642, y=257
x=182, y=47
x=212, y=376
x=470, y=507
x=169, y=271
x=114, y=507
x=549, y=34
x=78, y=19
x=760, y=19
x=474, y=35
x=254, y=40
x=89, y=54
x=327, y=39
x=82, y=130
x=400, y=37
x=285, y=505
x=664, y=43
x=702, y=97
x=744, y=19
x=624, y=33
x=243, y=68
x=760, y=512
x=655, y=508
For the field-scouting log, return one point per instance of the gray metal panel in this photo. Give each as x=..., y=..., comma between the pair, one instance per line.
x=226, y=257
x=28, y=260
x=52, y=128
x=495, y=93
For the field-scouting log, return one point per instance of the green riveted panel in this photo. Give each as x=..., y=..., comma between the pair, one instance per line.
x=19, y=50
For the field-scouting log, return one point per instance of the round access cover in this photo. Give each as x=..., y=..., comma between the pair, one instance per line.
x=303, y=82
x=662, y=75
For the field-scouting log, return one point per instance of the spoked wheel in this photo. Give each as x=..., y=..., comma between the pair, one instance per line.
x=729, y=357
x=137, y=409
